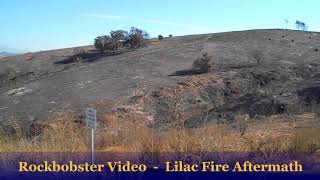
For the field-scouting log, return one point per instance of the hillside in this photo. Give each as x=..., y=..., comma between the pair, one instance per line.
x=285, y=81
x=5, y=54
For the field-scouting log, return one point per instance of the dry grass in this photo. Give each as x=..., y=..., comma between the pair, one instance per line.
x=56, y=137
x=272, y=136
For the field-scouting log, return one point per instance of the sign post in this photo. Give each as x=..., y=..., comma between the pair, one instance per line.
x=91, y=122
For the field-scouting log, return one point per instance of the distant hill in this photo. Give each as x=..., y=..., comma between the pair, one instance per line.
x=6, y=54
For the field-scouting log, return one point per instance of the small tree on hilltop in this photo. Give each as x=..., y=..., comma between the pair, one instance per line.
x=118, y=37
x=136, y=38
x=286, y=21
x=160, y=37
x=301, y=25
x=103, y=43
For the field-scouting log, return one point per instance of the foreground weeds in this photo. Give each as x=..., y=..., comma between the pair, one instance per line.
x=66, y=135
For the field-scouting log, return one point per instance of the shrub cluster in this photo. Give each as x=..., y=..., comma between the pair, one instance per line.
x=132, y=39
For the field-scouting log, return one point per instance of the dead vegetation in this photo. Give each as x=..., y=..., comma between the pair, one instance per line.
x=131, y=128
x=204, y=63
x=257, y=56
x=237, y=110
x=77, y=54
x=275, y=135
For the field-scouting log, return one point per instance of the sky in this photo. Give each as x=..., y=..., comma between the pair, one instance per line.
x=34, y=25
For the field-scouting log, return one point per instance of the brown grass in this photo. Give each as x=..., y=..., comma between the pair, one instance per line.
x=264, y=138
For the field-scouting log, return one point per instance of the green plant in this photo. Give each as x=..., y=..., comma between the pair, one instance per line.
x=301, y=25
x=103, y=43
x=118, y=37
x=136, y=38
x=160, y=37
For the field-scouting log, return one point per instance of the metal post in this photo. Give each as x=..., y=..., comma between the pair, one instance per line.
x=91, y=122
x=92, y=145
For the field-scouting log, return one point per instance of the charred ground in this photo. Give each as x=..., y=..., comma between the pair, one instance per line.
x=285, y=81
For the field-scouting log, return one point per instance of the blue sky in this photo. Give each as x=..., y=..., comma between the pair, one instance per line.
x=34, y=25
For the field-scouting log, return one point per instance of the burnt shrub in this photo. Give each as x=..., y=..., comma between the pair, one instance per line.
x=77, y=54
x=257, y=56
x=204, y=63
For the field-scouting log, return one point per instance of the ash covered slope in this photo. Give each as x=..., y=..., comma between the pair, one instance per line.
x=50, y=81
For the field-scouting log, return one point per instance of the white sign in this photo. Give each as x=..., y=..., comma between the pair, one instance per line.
x=91, y=122
x=91, y=118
